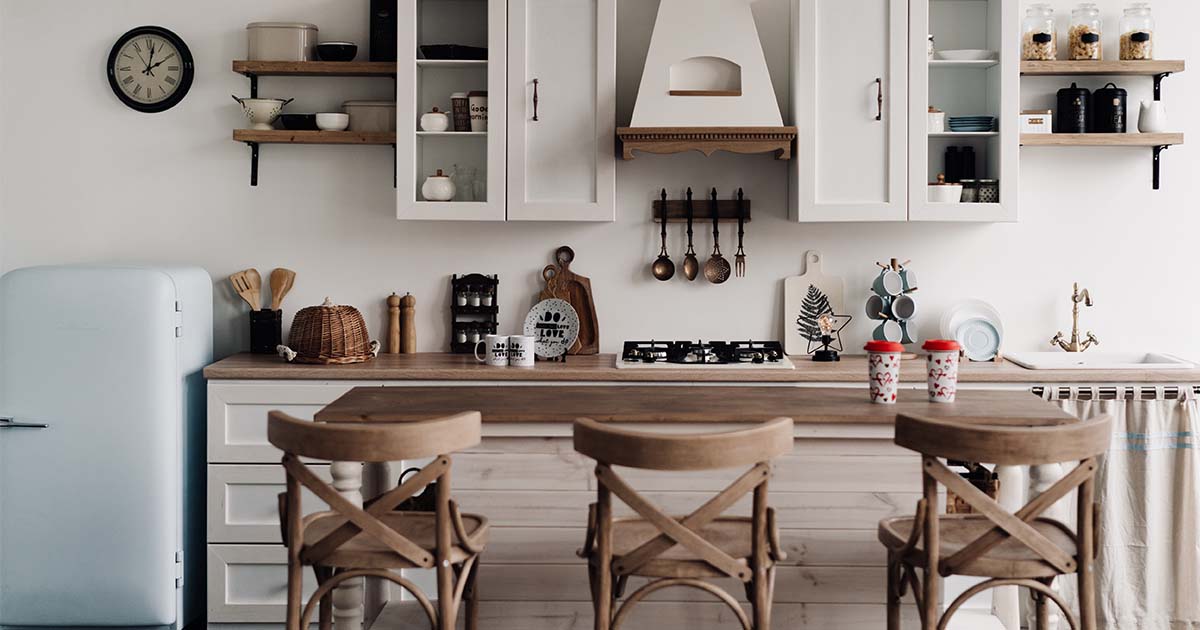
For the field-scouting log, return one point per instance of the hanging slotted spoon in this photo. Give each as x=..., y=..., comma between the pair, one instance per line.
x=716, y=270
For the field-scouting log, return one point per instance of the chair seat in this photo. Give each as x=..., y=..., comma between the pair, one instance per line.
x=730, y=534
x=1009, y=559
x=366, y=552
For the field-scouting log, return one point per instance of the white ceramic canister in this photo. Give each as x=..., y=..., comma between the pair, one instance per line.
x=883, y=370
x=438, y=187
x=941, y=368
x=435, y=121
x=281, y=41
x=478, y=103
x=371, y=116
x=937, y=121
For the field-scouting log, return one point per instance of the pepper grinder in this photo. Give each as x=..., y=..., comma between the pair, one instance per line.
x=393, y=302
x=408, y=324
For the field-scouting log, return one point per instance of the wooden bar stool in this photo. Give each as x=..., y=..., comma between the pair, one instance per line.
x=349, y=542
x=1010, y=548
x=681, y=551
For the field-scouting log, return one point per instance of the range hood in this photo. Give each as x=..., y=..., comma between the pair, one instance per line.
x=705, y=85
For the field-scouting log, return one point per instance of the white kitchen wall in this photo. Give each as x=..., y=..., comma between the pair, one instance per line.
x=84, y=179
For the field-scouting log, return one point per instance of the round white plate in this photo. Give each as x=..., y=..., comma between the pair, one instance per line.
x=554, y=326
x=962, y=311
x=979, y=339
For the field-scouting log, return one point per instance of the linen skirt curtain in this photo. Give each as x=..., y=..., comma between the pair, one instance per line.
x=1148, y=571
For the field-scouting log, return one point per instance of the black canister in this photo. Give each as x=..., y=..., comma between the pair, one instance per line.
x=1108, y=109
x=266, y=331
x=1073, y=109
x=953, y=165
x=967, y=165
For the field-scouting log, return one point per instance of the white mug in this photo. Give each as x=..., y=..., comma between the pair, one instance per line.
x=520, y=351
x=495, y=349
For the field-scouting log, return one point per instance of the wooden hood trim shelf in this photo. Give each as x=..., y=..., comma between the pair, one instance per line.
x=707, y=140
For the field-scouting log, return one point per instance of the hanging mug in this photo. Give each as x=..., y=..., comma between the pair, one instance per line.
x=495, y=350
x=888, y=283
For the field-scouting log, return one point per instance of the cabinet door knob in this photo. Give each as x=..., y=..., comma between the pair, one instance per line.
x=878, y=98
x=535, y=99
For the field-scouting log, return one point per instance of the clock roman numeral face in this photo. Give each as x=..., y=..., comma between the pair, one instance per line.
x=147, y=69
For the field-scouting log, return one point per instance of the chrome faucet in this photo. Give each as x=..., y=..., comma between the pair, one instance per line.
x=1075, y=344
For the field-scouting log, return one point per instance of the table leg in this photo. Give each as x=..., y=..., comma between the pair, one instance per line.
x=1006, y=603
x=348, y=596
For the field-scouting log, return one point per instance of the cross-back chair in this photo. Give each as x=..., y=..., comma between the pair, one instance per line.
x=682, y=551
x=350, y=542
x=1020, y=548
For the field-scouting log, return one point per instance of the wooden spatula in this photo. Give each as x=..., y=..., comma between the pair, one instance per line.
x=281, y=283
x=248, y=285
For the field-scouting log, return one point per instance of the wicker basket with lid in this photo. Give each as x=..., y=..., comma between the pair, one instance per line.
x=329, y=334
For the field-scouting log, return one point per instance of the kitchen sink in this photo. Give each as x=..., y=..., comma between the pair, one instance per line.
x=1098, y=361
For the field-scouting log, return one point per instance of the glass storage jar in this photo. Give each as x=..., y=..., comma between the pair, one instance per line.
x=1084, y=36
x=1037, y=33
x=1137, y=33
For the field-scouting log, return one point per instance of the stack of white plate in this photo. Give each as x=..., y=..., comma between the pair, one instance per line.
x=976, y=326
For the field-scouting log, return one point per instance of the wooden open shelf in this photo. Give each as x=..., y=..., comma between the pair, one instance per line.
x=1100, y=139
x=707, y=140
x=315, y=68
x=313, y=137
x=1116, y=68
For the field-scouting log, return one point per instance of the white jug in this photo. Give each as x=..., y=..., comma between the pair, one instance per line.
x=1152, y=117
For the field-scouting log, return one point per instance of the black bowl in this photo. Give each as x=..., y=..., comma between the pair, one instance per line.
x=336, y=51
x=298, y=122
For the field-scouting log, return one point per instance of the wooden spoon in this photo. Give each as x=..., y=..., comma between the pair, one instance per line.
x=663, y=269
x=241, y=282
x=691, y=266
x=281, y=284
x=716, y=270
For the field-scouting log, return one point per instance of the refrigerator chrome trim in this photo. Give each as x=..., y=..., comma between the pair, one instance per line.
x=8, y=423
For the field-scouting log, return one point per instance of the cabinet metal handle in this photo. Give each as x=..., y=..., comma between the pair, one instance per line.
x=879, y=98
x=535, y=99
x=7, y=423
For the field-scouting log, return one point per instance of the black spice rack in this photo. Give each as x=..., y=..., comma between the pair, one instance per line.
x=472, y=318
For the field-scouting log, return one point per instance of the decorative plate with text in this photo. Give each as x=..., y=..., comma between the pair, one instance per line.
x=554, y=326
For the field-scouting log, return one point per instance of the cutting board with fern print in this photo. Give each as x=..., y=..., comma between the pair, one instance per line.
x=804, y=296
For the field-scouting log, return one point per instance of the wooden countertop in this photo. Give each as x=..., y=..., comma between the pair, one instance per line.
x=654, y=403
x=435, y=366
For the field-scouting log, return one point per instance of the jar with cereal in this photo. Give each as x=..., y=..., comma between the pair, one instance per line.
x=1037, y=33
x=1084, y=37
x=1137, y=33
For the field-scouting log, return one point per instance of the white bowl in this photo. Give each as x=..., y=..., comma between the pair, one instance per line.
x=968, y=54
x=945, y=193
x=261, y=112
x=333, y=121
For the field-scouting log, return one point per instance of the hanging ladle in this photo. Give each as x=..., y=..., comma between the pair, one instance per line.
x=716, y=270
x=691, y=266
x=663, y=268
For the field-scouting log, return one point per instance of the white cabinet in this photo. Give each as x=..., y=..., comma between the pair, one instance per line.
x=556, y=166
x=850, y=107
x=862, y=83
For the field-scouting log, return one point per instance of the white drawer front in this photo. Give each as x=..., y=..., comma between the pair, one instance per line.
x=243, y=502
x=248, y=584
x=237, y=416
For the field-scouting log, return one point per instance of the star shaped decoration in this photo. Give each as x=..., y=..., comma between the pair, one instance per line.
x=831, y=326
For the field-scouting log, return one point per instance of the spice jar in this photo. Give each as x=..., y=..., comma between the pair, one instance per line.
x=1137, y=33
x=487, y=298
x=460, y=298
x=460, y=335
x=1037, y=33
x=473, y=298
x=989, y=191
x=1084, y=36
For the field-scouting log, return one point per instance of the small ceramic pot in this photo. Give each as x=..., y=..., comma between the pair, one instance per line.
x=883, y=370
x=941, y=368
x=435, y=121
x=437, y=188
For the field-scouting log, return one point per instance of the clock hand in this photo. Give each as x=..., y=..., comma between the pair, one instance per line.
x=150, y=68
x=143, y=60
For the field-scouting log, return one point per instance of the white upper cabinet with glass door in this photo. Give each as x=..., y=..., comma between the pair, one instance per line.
x=849, y=104
x=561, y=110
x=426, y=78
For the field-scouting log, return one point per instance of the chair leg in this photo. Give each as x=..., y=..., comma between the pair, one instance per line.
x=295, y=598
x=472, y=597
x=893, y=592
x=761, y=588
x=446, y=611
x=1041, y=612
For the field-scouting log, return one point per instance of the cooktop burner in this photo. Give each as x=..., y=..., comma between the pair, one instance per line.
x=703, y=353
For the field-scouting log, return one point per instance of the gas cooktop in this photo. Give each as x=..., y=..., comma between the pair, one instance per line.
x=704, y=354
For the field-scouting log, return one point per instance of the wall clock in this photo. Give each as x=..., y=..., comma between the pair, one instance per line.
x=150, y=69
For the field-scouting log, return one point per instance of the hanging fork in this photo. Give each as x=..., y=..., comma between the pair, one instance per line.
x=739, y=259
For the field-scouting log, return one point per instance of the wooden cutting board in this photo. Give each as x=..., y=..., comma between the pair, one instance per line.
x=796, y=289
x=567, y=285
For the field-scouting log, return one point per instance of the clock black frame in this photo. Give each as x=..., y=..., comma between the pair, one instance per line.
x=185, y=79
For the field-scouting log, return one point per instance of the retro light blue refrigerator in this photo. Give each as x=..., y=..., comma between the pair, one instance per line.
x=102, y=445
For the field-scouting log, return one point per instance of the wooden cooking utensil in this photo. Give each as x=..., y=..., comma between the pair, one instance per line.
x=281, y=284
x=255, y=281
x=567, y=285
x=244, y=287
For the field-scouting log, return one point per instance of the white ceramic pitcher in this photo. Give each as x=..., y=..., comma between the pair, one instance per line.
x=1152, y=117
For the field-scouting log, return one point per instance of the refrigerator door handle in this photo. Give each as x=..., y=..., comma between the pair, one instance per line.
x=7, y=423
